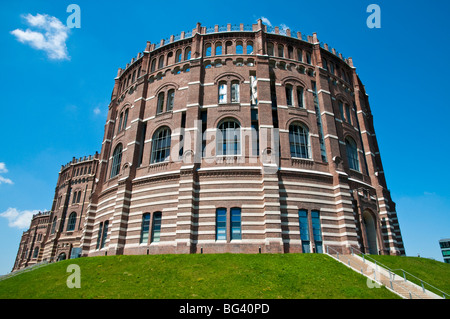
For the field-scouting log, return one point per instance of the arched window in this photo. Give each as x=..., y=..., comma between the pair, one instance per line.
x=54, y=225
x=160, y=106
x=300, y=96
x=156, y=227
x=145, y=228
x=161, y=62
x=178, y=56
x=299, y=141
x=153, y=66
x=352, y=153
x=219, y=48
x=161, y=145
x=239, y=48
x=229, y=138
x=249, y=48
x=290, y=52
x=72, y=221
x=234, y=91
x=187, y=54
x=116, y=160
x=228, y=47
x=270, y=49
x=299, y=55
x=289, y=97
x=208, y=49
x=280, y=51
x=170, y=98
x=222, y=92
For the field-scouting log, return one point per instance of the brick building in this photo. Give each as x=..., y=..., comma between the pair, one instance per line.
x=241, y=138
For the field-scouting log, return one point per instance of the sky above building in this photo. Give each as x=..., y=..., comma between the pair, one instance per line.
x=56, y=83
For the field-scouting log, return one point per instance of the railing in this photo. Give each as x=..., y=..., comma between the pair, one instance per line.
x=395, y=286
x=404, y=272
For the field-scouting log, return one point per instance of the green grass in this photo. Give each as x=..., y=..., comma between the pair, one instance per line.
x=212, y=276
x=434, y=272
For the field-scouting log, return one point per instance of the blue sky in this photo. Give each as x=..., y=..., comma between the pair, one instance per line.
x=55, y=97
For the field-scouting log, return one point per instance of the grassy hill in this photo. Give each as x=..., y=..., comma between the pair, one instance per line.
x=212, y=276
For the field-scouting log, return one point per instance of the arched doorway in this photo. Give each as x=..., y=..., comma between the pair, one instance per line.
x=62, y=257
x=371, y=232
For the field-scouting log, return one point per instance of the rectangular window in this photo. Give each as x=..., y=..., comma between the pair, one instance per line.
x=317, y=233
x=221, y=224
x=99, y=235
x=156, y=227
x=236, y=223
x=300, y=97
x=223, y=93
x=234, y=92
x=105, y=233
x=145, y=228
x=255, y=132
x=347, y=113
x=341, y=110
x=289, y=95
x=304, y=230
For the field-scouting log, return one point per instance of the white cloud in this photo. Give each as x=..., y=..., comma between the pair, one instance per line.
x=97, y=111
x=52, y=40
x=266, y=21
x=18, y=219
x=284, y=27
x=3, y=169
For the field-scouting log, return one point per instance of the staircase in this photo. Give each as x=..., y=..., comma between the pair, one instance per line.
x=377, y=274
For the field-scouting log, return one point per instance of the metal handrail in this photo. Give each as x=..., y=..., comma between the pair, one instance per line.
x=444, y=294
x=375, y=271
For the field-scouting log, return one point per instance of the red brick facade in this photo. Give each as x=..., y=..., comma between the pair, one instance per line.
x=298, y=139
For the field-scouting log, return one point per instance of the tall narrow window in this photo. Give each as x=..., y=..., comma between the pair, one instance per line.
x=161, y=145
x=255, y=132
x=304, y=230
x=170, y=98
x=234, y=91
x=156, y=227
x=116, y=161
x=300, y=97
x=229, y=47
x=289, y=94
x=290, y=52
x=99, y=235
x=204, y=117
x=120, y=122
x=308, y=57
x=160, y=106
x=249, y=48
x=352, y=153
x=208, y=49
x=178, y=56
x=229, y=138
x=221, y=224
x=72, y=221
x=125, y=119
x=236, y=232
x=79, y=197
x=341, y=110
x=218, y=48
x=187, y=54
x=299, y=141
x=153, y=66
x=270, y=49
x=299, y=55
x=317, y=232
x=223, y=92
x=145, y=228
x=347, y=113
x=161, y=62
x=54, y=225
x=239, y=48
x=281, y=51
x=105, y=234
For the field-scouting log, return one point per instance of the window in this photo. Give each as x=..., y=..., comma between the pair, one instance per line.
x=290, y=52
x=161, y=145
x=156, y=227
x=304, y=230
x=145, y=228
x=53, y=225
x=178, y=56
x=234, y=91
x=317, y=233
x=341, y=110
x=117, y=158
x=280, y=51
x=79, y=197
x=170, y=98
x=105, y=233
x=347, y=113
x=219, y=48
x=208, y=49
x=72, y=221
x=270, y=49
x=153, y=66
x=308, y=57
x=161, y=62
x=299, y=141
x=99, y=235
x=236, y=223
x=123, y=118
x=160, y=106
x=221, y=224
x=223, y=92
x=187, y=54
x=299, y=55
x=352, y=153
x=300, y=97
x=325, y=64
x=228, y=47
x=36, y=252
x=239, y=48
x=249, y=48
x=289, y=95
x=228, y=138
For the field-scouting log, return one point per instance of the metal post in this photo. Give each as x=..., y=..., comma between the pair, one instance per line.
x=404, y=275
x=422, y=286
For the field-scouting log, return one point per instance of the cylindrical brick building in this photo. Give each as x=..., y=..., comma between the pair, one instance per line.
x=239, y=139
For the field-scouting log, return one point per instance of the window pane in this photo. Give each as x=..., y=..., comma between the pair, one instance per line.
x=236, y=223
x=303, y=222
x=299, y=141
x=145, y=227
x=161, y=145
x=221, y=224
x=156, y=228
